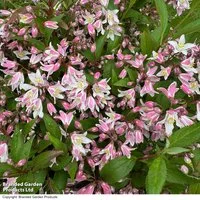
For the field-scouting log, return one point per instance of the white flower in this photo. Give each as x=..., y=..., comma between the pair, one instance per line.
x=36, y=78
x=104, y=2
x=113, y=30
x=181, y=46
x=36, y=107
x=22, y=55
x=78, y=140
x=111, y=17
x=170, y=117
x=89, y=18
x=56, y=90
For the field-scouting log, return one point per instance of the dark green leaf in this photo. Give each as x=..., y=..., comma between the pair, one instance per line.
x=59, y=145
x=174, y=175
x=51, y=126
x=31, y=178
x=100, y=46
x=43, y=160
x=194, y=189
x=148, y=44
x=163, y=13
x=156, y=177
x=189, y=28
x=60, y=179
x=117, y=169
x=185, y=136
x=72, y=169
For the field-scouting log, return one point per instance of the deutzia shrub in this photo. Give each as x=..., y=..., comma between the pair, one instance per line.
x=100, y=96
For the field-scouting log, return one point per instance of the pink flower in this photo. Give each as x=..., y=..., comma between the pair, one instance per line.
x=89, y=189
x=198, y=110
x=138, y=137
x=3, y=152
x=51, y=24
x=35, y=59
x=65, y=118
x=106, y=188
x=51, y=54
x=188, y=65
x=51, y=68
x=26, y=18
x=16, y=80
x=148, y=89
x=170, y=92
x=126, y=150
x=8, y=64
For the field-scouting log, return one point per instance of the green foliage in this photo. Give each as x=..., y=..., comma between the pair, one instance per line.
x=185, y=136
x=156, y=177
x=51, y=126
x=117, y=169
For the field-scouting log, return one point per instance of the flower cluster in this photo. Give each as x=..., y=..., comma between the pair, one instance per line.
x=80, y=90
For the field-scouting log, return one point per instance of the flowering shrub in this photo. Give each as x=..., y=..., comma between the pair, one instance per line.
x=100, y=96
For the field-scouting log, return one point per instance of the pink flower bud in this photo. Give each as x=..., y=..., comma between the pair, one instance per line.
x=91, y=29
x=116, y=2
x=22, y=31
x=34, y=32
x=51, y=24
x=21, y=163
x=93, y=48
x=9, y=129
x=123, y=74
x=78, y=125
x=97, y=75
x=66, y=105
x=51, y=108
x=91, y=163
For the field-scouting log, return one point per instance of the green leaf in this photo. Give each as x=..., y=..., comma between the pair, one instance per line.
x=131, y=3
x=37, y=43
x=72, y=169
x=89, y=55
x=189, y=28
x=4, y=167
x=60, y=179
x=176, y=150
x=51, y=126
x=174, y=175
x=185, y=136
x=31, y=178
x=122, y=83
x=88, y=123
x=137, y=17
x=163, y=13
x=113, y=45
x=156, y=177
x=62, y=162
x=117, y=169
x=132, y=74
x=194, y=189
x=107, y=68
x=27, y=128
x=100, y=46
x=19, y=149
x=59, y=145
x=43, y=160
x=148, y=44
